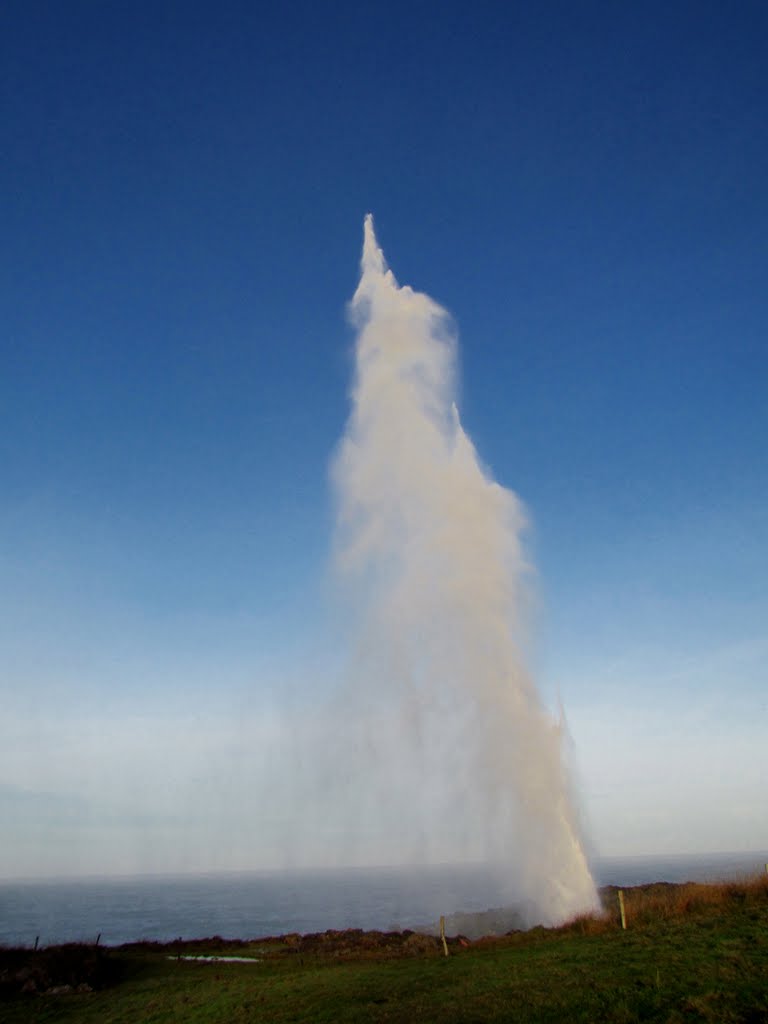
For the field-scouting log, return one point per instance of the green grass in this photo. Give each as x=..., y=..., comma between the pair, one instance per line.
x=703, y=956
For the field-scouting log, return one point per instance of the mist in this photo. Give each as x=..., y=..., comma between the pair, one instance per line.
x=448, y=753
x=430, y=745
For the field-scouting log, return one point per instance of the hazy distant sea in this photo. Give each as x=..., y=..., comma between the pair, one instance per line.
x=252, y=905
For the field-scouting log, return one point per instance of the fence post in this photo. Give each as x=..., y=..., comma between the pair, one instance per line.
x=622, y=910
x=442, y=934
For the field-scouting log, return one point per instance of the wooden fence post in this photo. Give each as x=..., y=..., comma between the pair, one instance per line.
x=442, y=934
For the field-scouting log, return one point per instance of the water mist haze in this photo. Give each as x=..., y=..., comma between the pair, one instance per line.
x=445, y=750
x=429, y=746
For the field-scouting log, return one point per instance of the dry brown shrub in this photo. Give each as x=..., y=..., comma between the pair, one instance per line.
x=645, y=904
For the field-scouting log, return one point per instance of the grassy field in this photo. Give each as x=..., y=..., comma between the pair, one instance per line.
x=690, y=953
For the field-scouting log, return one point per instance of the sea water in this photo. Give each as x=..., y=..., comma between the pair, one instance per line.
x=258, y=904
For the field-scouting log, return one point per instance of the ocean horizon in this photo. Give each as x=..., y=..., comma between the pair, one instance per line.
x=256, y=904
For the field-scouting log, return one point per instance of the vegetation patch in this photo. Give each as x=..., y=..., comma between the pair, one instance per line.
x=56, y=970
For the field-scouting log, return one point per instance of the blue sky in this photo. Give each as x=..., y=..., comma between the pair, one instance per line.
x=183, y=188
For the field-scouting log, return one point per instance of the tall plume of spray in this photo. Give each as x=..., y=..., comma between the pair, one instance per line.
x=459, y=758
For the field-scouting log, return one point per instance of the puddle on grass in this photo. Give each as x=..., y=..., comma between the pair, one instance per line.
x=219, y=959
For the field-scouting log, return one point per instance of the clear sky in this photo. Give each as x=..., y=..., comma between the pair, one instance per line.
x=183, y=187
